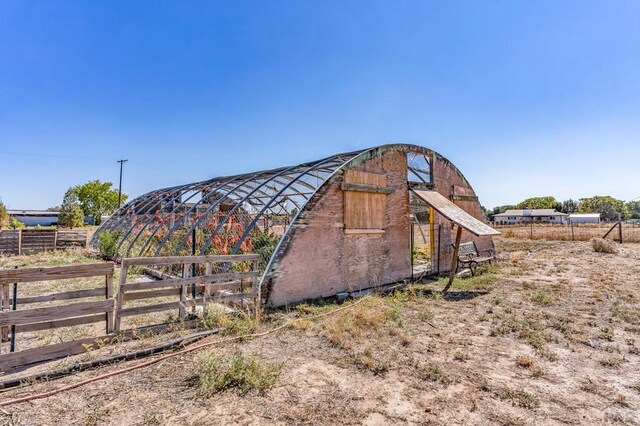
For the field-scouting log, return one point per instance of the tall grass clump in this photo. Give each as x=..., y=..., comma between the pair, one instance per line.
x=239, y=372
x=108, y=244
x=601, y=245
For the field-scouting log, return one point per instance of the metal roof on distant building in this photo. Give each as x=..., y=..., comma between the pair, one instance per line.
x=585, y=215
x=530, y=213
x=32, y=213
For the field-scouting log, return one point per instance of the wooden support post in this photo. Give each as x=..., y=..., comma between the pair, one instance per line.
x=255, y=283
x=620, y=228
x=207, y=286
x=5, y=295
x=183, y=293
x=123, y=280
x=573, y=236
x=454, y=259
x=19, y=242
x=109, y=295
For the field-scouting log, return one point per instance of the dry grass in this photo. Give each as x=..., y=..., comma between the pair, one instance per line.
x=240, y=372
x=549, y=336
x=601, y=245
x=631, y=233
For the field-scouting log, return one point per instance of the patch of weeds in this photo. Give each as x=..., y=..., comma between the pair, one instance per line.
x=461, y=356
x=518, y=397
x=612, y=362
x=530, y=364
x=606, y=333
x=235, y=371
x=234, y=323
x=377, y=365
x=506, y=419
x=621, y=400
x=434, y=373
x=543, y=298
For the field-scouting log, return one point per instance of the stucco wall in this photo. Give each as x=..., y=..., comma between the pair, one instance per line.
x=321, y=260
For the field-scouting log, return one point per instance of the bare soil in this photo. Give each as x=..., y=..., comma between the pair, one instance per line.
x=549, y=336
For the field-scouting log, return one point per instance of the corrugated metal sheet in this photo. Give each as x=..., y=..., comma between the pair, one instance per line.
x=455, y=214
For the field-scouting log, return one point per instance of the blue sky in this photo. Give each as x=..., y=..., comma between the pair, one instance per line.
x=525, y=97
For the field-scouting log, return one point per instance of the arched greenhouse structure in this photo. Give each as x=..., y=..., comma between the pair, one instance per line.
x=346, y=222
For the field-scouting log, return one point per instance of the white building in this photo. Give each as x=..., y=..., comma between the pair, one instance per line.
x=530, y=215
x=35, y=217
x=577, y=218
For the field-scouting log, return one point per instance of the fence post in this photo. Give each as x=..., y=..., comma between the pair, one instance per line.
x=183, y=292
x=123, y=279
x=109, y=295
x=255, y=289
x=19, y=242
x=573, y=237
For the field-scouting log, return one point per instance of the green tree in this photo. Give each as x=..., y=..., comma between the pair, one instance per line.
x=71, y=214
x=502, y=209
x=607, y=206
x=547, y=202
x=569, y=206
x=4, y=216
x=633, y=208
x=97, y=198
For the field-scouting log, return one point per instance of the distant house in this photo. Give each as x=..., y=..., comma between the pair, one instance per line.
x=577, y=218
x=35, y=217
x=530, y=215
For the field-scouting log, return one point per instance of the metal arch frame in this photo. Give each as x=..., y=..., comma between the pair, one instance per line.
x=205, y=214
x=283, y=174
x=237, y=192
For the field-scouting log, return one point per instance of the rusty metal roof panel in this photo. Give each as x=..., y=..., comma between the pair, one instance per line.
x=455, y=214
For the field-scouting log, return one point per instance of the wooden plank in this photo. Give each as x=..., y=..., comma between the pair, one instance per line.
x=200, y=288
x=179, y=282
x=44, y=353
x=363, y=231
x=364, y=210
x=152, y=294
x=454, y=213
x=119, y=300
x=108, y=294
x=61, y=350
x=75, y=294
x=159, y=307
x=170, y=260
x=138, y=310
x=48, y=273
x=359, y=187
x=54, y=312
x=46, y=325
x=454, y=259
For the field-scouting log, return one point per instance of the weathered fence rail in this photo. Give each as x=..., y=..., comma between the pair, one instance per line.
x=223, y=279
x=223, y=287
x=27, y=241
x=17, y=321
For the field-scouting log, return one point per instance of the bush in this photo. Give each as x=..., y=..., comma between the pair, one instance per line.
x=601, y=245
x=4, y=216
x=108, y=244
x=15, y=224
x=236, y=371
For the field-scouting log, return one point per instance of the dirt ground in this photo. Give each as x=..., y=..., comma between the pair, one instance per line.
x=549, y=336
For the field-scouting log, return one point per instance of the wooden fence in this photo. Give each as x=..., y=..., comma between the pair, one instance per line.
x=222, y=287
x=235, y=281
x=27, y=241
x=50, y=317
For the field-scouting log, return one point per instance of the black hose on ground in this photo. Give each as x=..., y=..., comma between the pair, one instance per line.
x=61, y=372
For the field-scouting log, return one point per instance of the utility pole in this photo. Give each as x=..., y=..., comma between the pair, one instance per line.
x=120, y=184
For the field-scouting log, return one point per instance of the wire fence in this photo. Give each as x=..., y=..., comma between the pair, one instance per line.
x=575, y=232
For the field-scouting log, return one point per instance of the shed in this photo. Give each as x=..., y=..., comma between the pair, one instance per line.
x=35, y=217
x=578, y=218
x=346, y=222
